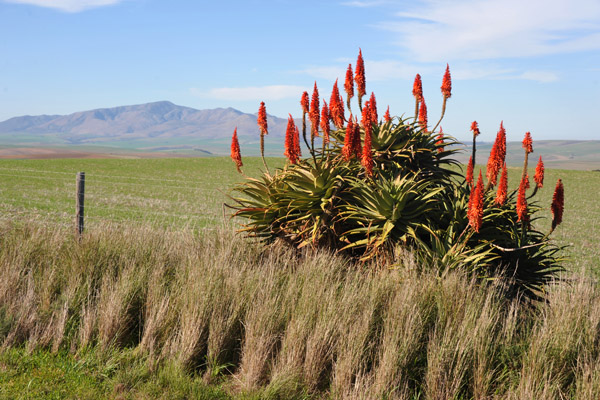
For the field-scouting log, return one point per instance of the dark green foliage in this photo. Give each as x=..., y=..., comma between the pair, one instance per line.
x=415, y=198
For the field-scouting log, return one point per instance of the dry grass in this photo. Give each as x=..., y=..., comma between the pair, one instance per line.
x=294, y=327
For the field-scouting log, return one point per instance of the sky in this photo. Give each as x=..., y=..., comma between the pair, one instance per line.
x=533, y=64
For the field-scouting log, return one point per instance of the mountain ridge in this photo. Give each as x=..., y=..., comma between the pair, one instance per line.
x=161, y=119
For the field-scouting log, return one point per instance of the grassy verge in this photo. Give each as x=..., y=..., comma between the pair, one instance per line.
x=189, y=193
x=148, y=313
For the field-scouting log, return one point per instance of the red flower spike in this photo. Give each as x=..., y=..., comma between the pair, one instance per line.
x=347, y=150
x=469, y=176
x=367, y=157
x=539, y=174
x=423, y=115
x=492, y=167
x=501, y=138
x=386, y=116
x=526, y=180
x=356, y=143
x=336, y=107
x=373, y=108
x=475, y=128
x=235, y=151
x=558, y=204
x=528, y=143
x=290, y=145
x=418, y=88
x=349, y=83
x=315, y=112
x=297, y=149
x=475, y=212
x=304, y=102
x=359, y=75
x=503, y=187
x=325, y=127
x=366, y=118
x=440, y=141
x=447, y=83
x=522, y=202
x=262, y=119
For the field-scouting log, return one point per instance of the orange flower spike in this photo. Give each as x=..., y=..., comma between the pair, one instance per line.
x=356, y=142
x=447, y=84
x=367, y=157
x=558, y=204
x=528, y=143
x=235, y=151
x=349, y=84
x=501, y=138
x=469, y=176
x=386, y=116
x=348, y=139
x=289, y=144
x=503, y=187
x=440, y=141
x=418, y=88
x=423, y=115
x=325, y=118
x=336, y=109
x=315, y=112
x=366, y=115
x=475, y=128
x=262, y=119
x=539, y=174
x=475, y=212
x=522, y=202
x=297, y=149
x=304, y=102
x=359, y=75
x=373, y=108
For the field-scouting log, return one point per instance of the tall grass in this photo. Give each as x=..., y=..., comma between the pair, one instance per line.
x=289, y=326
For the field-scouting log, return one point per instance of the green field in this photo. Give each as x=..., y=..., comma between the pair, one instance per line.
x=190, y=192
x=159, y=299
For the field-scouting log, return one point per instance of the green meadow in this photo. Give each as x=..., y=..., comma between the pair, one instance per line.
x=191, y=192
x=161, y=299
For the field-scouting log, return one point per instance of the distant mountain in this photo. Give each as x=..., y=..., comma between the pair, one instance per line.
x=160, y=121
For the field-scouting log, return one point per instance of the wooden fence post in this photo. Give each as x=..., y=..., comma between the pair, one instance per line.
x=79, y=204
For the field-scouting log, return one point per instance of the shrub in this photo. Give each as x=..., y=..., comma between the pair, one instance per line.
x=376, y=184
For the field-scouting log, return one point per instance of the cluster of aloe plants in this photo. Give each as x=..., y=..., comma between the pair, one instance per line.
x=372, y=185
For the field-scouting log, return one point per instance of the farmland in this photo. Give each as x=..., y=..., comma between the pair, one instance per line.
x=160, y=299
x=190, y=192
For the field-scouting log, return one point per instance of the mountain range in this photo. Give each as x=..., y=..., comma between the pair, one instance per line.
x=165, y=129
x=145, y=126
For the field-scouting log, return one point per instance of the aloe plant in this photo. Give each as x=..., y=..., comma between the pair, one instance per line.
x=375, y=185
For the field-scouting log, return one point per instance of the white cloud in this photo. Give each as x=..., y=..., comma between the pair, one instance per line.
x=272, y=92
x=445, y=30
x=363, y=3
x=67, y=5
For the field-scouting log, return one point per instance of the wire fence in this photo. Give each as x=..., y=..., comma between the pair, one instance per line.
x=50, y=197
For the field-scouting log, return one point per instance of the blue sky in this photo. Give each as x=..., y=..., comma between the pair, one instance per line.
x=535, y=64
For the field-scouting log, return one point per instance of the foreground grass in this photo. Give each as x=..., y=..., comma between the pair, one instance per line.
x=147, y=313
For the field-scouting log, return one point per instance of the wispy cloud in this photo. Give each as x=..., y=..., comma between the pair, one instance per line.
x=67, y=5
x=444, y=30
x=272, y=92
x=364, y=3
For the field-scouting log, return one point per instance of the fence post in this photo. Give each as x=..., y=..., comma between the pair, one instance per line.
x=79, y=204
